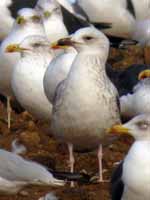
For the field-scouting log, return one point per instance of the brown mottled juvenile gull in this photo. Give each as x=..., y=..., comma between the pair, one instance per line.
x=85, y=104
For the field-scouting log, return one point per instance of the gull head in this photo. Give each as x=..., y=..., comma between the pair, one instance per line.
x=27, y=15
x=48, y=8
x=138, y=127
x=86, y=39
x=30, y=44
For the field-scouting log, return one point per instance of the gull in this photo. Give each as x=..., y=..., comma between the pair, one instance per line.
x=85, y=103
x=27, y=76
x=131, y=178
x=52, y=19
x=27, y=23
x=138, y=101
x=16, y=173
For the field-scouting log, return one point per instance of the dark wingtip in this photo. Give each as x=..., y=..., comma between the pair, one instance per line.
x=121, y=43
x=102, y=25
x=73, y=22
x=81, y=178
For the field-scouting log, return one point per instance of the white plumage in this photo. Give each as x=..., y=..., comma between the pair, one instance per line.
x=18, y=33
x=52, y=19
x=138, y=102
x=132, y=178
x=27, y=77
x=84, y=95
x=6, y=20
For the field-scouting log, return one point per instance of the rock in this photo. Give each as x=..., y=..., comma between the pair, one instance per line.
x=30, y=139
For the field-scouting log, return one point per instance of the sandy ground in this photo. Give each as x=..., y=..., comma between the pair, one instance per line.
x=42, y=147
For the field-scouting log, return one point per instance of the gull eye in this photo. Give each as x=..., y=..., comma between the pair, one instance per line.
x=88, y=38
x=20, y=20
x=143, y=125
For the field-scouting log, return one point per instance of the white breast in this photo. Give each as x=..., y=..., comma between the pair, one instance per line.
x=27, y=85
x=136, y=171
x=9, y=60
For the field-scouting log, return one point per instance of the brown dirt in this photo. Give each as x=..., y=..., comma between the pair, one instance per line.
x=43, y=147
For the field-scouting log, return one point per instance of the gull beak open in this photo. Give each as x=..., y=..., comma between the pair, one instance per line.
x=118, y=129
x=144, y=74
x=63, y=43
x=14, y=48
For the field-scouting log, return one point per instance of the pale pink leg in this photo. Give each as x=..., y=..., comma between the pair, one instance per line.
x=100, y=157
x=71, y=160
x=8, y=111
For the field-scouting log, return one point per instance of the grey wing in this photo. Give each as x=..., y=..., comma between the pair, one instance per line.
x=130, y=7
x=15, y=168
x=9, y=164
x=58, y=92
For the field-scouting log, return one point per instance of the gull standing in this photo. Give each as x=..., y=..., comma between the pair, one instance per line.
x=27, y=23
x=85, y=103
x=52, y=19
x=131, y=179
x=27, y=76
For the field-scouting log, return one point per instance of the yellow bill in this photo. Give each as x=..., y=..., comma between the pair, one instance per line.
x=144, y=74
